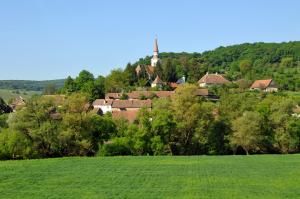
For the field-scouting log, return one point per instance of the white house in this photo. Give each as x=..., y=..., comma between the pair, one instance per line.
x=266, y=85
x=105, y=105
x=212, y=79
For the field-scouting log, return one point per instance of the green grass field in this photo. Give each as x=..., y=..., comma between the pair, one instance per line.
x=7, y=94
x=264, y=176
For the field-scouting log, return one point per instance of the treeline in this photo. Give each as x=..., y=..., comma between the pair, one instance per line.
x=30, y=85
x=240, y=123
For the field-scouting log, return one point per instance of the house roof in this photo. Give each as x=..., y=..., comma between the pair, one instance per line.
x=150, y=69
x=159, y=94
x=202, y=92
x=19, y=101
x=102, y=102
x=128, y=115
x=138, y=69
x=213, y=79
x=157, y=80
x=261, y=84
x=113, y=95
x=132, y=103
x=173, y=84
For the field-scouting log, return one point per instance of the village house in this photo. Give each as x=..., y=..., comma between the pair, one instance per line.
x=266, y=85
x=130, y=116
x=113, y=95
x=149, y=94
x=130, y=105
x=17, y=103
x=128, y=109
x=157, y=82
x=103, y=106
x=212, y=80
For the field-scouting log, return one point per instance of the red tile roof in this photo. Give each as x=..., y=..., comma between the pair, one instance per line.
x=261, y=84
x=173, y=84
x=102, y=102
x=132, y=103
x=150, y=70
x=127, y=115
x=113, y=95
x=202, y=92
x=159, y=94
x=158, y=80
x=213, y=79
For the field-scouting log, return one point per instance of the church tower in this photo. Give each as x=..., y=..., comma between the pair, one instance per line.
x=155, y=59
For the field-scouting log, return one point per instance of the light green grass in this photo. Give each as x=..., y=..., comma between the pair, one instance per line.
x=264, y=176
x=8, y=94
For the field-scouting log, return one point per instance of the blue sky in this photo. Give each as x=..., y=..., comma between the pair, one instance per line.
x=52, y=39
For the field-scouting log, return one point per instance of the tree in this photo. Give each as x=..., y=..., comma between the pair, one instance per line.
x=247, y=132
x=99, y=88
x=159, y=70
x=163, y=127
x=193, y=118
x=49, y=89
x=131, y=73
x=169, y=71
x=36, y=124
x=69, y=85
x=116, y=81
x=245, y=66
x=84, y=77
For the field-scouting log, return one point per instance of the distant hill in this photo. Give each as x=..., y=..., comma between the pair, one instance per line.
x=29, y=85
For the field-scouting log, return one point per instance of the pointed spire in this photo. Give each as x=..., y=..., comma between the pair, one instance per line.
x=155, y=49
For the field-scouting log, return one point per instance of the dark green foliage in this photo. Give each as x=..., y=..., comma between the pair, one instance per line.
x=4, y=108
x=169, y=71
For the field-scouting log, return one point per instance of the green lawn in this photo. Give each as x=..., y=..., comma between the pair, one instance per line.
x=264, y=176
x=7, y=94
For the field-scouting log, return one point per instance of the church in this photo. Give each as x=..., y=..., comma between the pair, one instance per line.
x=150, y=69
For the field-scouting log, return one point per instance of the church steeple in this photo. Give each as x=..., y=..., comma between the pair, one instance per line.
x=155, y=59
x=155, y=49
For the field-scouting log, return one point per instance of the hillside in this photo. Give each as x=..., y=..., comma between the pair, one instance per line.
x=280, y=61
x=30, y=85
x=7, y=94
x=263, y=176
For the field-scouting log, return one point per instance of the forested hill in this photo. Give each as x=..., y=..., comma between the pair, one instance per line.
x=30, y=85
x=280, y=61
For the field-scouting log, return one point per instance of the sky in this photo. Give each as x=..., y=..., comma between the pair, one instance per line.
x=52, y=39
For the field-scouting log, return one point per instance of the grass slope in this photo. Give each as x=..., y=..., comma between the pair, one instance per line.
x=7, y=94
x=264, y=176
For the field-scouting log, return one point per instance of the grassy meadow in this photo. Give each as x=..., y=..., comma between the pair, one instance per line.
x=8, y=94
x=261, y=176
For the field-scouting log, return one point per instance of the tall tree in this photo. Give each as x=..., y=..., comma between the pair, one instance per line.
x=247, y=132
x=169, y=71
x=50, y=89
